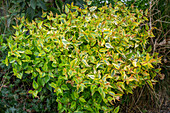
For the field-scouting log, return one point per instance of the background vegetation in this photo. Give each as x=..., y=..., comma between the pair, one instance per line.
x=13, y=92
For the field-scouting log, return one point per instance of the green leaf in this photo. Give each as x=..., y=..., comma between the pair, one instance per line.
x=147, y=57
x=17, y=54
x=34, y=74
x=81, y=88
x=84, y=11
x=93, y=8
x=19, y=75
x=34, y=93
x=146, y=12
x=41, y=4
x=116, y=110
x=51, y=74
x=45, y=67
x=53, y=85
x=157, y=70
x=54, y=64
x=93, y=59
x=64, y=87
x=86, y=82
x=104, y=108
x=85, y=63
x=28, y=52
x=1, y=39
x=110, y=99
x=74, y=95
x=73, y=105
x=106, y=62
x=9, y=44
x=40, y=82
x=91, y=76
x=92, y=89
x=108, y=45
x=73, y=63
x=33, y=3
x=149, y=49
x=30, y=12
x=89, y=2
x=66, y=9
x=102, y=93
x=46, y=79
x=70, y=73
x=42, y=74
x=82, y=99
x=59, y=91
x=150, y=83
x=116, y=66
x=34, y=84
x=6, y=61
x=65, y=42
x=78, y=112
x=59, y=106
x=103, y=50
x=112, y=93
x=78, y=43
x=106, y=31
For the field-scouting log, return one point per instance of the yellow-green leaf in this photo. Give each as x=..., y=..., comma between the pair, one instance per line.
x=82, y=99
x=85, y=63
x=34, y=84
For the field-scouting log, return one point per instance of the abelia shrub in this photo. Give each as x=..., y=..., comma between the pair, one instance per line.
x=88, y=57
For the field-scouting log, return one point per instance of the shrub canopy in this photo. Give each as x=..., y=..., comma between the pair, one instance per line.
x=89, y=57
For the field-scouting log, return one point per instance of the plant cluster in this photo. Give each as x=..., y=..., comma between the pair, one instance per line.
x=88, y=58
x=15, y=98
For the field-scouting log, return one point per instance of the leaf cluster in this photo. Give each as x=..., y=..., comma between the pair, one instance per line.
x=88, y=58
